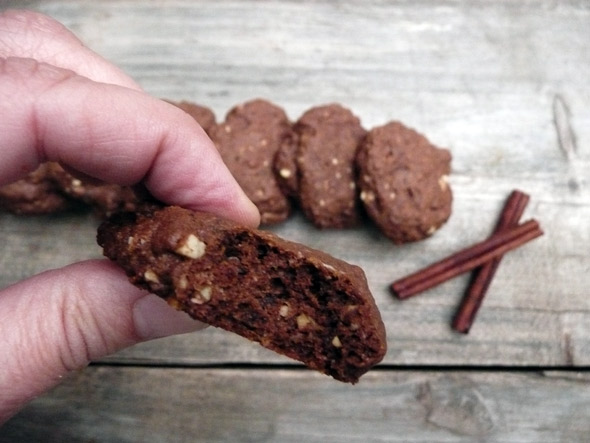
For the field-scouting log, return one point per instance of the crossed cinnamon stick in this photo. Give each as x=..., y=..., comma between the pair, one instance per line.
x=485, y=256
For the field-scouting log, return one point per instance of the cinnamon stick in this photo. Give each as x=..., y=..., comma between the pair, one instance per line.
x=473, y=298
x=466, y=259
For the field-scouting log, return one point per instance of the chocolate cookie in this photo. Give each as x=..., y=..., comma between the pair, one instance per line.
x=403, y=182
x=203, y=115
x=105, y=199
x=248, y=141
x=35, y=194
x=285, y=167
x=291, y=299
x=328, y=138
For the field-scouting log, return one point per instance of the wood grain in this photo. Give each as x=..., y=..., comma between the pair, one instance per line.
x=106, y=404
x=501, y=84
x=506, y=99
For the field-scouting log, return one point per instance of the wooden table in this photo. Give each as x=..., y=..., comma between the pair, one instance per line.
x=504, y=85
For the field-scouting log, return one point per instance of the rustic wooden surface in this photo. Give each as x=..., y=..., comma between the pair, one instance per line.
x=237, y=405
x=503, y=85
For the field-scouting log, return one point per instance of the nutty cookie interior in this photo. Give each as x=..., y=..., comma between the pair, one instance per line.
x=292, y=299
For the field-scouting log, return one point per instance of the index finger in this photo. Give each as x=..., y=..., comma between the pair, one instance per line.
x=25, y=33
x=114, y=134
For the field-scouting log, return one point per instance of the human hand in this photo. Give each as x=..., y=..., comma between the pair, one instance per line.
x=59, y=101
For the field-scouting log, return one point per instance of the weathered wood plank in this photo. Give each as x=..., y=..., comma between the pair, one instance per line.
x=106, y=404
x=503, y=85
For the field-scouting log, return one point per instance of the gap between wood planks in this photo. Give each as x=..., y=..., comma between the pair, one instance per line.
x=378, y=368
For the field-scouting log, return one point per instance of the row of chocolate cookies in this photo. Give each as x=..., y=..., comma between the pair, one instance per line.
x=325, y=162
x=334, y=169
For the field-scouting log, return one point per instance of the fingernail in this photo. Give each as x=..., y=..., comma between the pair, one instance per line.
x=252, y=214
x=153, y=318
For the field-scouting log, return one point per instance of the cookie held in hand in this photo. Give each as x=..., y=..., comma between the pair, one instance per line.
x=292, y=299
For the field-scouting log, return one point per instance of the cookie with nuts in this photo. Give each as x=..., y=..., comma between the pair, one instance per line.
x=248, y=141
x=403, y=182
x=35, y=194
x=328, y=138
x=104, y=198
x=294, y=300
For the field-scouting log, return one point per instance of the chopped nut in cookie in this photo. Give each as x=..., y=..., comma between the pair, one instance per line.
x=285, y=173
x=284, y=311
x=303, y=321
x=151, y=276
x=203, y=296
x=183, y=282
x=367, y=196
x=336, y=342
x=192, y=247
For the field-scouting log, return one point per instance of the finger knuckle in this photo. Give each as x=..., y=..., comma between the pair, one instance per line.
x=26, y=21
x=25, y=33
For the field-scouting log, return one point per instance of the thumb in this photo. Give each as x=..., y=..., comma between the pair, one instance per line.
x=60, y=320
